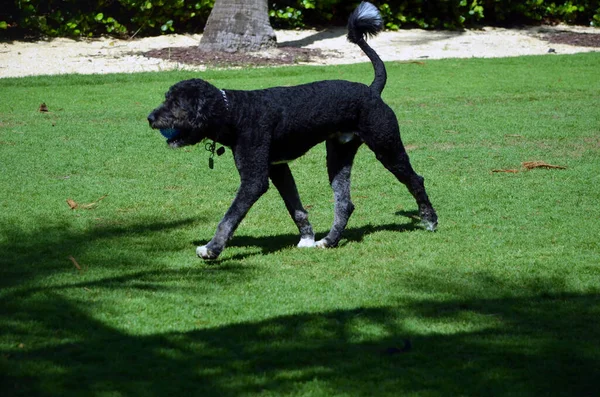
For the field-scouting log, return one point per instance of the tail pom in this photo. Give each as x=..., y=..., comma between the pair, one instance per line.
x=364, y=21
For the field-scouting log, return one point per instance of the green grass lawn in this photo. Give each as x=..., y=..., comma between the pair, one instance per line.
x=503, y=300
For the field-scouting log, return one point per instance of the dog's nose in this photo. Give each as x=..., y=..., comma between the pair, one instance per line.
x=151, y=118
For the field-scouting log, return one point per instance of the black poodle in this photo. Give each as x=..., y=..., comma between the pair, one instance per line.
x=268, y=128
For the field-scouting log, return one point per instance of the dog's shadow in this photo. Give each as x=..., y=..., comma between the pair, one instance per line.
x=270, y=244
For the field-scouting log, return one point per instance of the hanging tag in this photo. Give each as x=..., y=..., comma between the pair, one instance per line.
x=211, y=163
x=220, y=151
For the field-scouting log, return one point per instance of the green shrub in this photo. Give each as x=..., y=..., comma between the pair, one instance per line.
x=114, y=17
x=436, y=14
x=77, y=18
x=584, y=12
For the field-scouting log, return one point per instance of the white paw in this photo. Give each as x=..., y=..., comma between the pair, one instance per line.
x=202, y=252
x=322, y=243
x=306, y=243
x=431, y=226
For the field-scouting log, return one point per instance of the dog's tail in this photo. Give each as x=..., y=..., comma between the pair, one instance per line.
x=366, y=21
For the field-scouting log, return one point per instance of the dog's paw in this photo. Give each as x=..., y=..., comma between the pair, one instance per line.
x=428, y=225
x=205, y=253
x=429, y=219
x=323, y=243
x=307, y=242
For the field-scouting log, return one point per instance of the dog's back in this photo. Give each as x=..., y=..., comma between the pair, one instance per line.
x=297, y=118
x=328, y=103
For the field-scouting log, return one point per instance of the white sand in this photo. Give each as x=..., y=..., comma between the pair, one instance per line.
x=108, y=55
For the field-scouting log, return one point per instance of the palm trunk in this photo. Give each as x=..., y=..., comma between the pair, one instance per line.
x=238, y=25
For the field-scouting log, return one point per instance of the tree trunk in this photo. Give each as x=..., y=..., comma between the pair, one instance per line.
x=238, y=25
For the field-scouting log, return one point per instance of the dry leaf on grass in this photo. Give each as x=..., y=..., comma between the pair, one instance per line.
x=529, y=165
x=74, y=205
x=540, y=164
x=43, y=107
x=420, y=63
x=77, y=266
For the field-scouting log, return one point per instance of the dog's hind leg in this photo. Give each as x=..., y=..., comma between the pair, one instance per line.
x=388, y=148
x=283, y=180
x=399, y=165
x=340, y=157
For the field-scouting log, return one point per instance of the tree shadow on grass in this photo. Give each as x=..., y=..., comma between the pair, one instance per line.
x=53, y=340
x=530, y=346
x=22, y=252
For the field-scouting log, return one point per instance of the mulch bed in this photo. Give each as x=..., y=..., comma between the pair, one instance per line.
x=575, y=39
x=194, y=56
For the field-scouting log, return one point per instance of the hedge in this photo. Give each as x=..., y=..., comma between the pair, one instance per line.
x=126, y=18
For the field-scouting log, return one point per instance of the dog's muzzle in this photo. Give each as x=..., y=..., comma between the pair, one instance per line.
x=170, y=134
x=151, y=119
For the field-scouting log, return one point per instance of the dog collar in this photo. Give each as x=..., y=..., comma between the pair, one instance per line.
x=212, y=146
x=225, y=99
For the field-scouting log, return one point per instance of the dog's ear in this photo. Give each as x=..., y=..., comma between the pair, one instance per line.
x=201, y=110
x=209, y=104
x=198, y=100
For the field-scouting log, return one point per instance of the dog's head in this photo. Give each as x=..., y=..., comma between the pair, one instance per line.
x=189, y=112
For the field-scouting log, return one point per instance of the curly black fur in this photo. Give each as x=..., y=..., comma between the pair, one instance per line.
x=268, y=128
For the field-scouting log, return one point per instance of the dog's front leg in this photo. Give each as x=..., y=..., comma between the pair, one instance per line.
x=248, y=193
x=251, y=160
